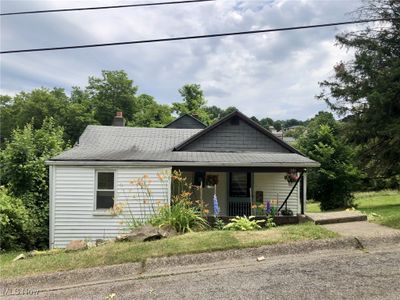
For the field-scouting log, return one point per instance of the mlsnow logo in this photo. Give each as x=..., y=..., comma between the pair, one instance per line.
x=18, y=292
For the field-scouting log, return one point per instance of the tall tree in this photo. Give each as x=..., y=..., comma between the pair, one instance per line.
x=150, y=114
x=266, y=122
x=32, y=107
x=113, y=92
x=366, y=89
x=333, y=182
x=35, y=106
x=193, y=103
x=214, y=112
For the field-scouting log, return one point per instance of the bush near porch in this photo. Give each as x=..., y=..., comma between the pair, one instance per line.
x=193, y=242
x=382, y=207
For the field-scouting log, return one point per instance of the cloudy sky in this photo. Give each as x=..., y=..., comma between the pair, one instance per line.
x=274, y=74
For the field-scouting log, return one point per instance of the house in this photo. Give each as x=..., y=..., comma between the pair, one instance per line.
x=186, y=121
x=241, y=161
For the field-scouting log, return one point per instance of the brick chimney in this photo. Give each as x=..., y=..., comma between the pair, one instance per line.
x=118, y=119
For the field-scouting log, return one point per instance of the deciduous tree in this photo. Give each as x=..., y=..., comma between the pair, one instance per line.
x=112, y=92
x=193, y=103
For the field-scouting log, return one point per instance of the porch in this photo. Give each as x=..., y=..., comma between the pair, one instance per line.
x=248, y=191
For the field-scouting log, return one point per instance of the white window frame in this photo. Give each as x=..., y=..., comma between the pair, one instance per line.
x=96, y=189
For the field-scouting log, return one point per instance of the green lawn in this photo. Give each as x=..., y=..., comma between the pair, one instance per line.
x=117, y=253
x=382, y=207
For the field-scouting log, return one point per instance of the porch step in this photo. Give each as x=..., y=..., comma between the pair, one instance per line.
x=336, y=217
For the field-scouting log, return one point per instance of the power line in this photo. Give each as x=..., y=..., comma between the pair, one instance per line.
x=101, y=7
x=193, y=37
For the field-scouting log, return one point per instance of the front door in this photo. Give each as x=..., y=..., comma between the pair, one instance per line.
x=239, y=194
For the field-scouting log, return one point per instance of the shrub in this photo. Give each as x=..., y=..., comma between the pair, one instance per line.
x=219, y=224
x=243, y=223
x=25, y=174
x=181, y=217
x=16, y=225
x=270, y=223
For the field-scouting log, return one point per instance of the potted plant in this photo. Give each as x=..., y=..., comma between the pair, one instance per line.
x=286, y=212
x=291, y=177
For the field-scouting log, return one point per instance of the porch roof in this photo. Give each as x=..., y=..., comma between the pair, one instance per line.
x=105, y=145
x=250, y=159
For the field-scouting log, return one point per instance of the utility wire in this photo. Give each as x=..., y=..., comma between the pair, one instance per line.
x=101, y=7
x=193, y=37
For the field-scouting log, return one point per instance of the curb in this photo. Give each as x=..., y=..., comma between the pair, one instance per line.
x=128, y=271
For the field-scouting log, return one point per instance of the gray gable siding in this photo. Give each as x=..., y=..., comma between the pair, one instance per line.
x=186, y=122
x=235, y=138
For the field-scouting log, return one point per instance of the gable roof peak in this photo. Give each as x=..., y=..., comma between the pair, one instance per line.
x=197, y=122
x=245, y=119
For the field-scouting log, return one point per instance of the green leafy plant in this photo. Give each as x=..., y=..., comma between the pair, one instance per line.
x=244, y=224
x=270, y=223
x=25, y=174
x=273, y=211
x=183, y=214
x=219, y=224
x=181, y=217
x=16, y=225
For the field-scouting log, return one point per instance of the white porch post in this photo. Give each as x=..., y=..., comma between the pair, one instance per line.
x=304, y=191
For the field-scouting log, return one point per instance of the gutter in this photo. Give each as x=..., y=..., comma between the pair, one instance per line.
x=177, y=163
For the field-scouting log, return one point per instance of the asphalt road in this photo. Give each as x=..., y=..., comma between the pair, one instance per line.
x=347, y=274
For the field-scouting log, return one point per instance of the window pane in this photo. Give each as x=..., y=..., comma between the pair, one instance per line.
x=239, y=185
x=105, y=181
x=105, y=199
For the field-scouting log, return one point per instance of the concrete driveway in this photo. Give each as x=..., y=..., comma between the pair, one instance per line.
x=361, y=229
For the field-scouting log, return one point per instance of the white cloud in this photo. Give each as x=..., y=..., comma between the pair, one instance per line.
x=274, y=74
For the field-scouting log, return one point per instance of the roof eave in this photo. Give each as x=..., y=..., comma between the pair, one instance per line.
x=310, y=164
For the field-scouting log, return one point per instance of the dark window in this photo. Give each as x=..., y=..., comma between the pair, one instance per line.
x=199, y=178
x=239, y=185
x=105, y=190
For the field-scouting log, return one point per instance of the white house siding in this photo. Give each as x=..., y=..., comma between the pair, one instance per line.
x=72, y=203
x=274, y=186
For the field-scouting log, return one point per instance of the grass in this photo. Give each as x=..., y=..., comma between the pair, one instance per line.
x=117, y=253
x=382, y=207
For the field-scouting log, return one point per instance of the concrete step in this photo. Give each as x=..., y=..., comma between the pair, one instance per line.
x=336, y=217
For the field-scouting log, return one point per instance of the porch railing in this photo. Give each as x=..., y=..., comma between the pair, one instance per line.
x=239, y=208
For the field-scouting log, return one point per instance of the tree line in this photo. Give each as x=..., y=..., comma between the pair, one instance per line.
x=101, y=98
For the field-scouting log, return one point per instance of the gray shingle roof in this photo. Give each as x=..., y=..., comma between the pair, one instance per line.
x=107, y=143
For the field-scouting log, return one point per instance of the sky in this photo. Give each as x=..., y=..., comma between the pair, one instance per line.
x=272, y=75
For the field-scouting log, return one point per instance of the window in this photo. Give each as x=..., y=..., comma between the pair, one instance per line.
x=240, y=185
x=105, y=190
x=199, y=178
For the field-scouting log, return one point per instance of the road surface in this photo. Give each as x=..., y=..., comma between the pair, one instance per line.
x=345, y=274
